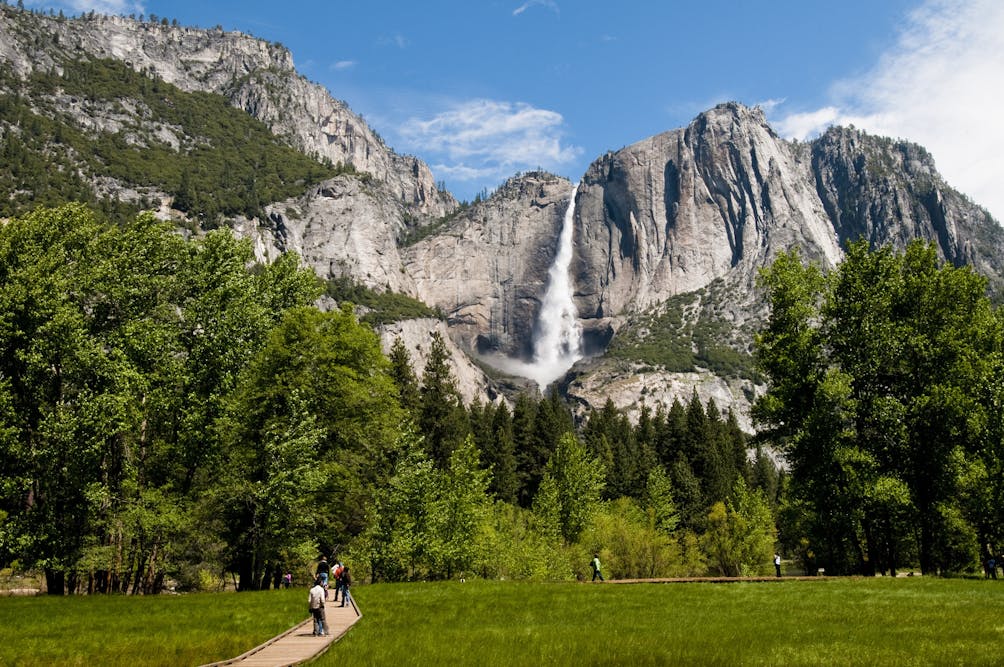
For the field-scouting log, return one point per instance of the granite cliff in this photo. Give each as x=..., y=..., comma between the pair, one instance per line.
x=669, y=233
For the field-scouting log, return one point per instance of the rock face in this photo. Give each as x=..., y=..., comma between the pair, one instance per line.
x=716, y=201
x=487, y=269
x=255, y=75
x=417, y=338
x=889, y=192
x=341, y=227
x=723, y=196
x=672, y=213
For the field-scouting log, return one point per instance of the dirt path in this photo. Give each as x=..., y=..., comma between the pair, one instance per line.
x=298, y=644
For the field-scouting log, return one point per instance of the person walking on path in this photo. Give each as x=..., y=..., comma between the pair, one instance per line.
x=777, y=564
x=315, y=602
x=344, y=581
x=336, y=577
x=323, y=569
x=595, y=564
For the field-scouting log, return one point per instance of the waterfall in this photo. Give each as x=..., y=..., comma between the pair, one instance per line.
x=557, y=334
x=557, y=340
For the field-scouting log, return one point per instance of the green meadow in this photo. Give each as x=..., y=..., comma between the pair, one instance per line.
x=114, y=630
x=830, y=622
x=907, y=621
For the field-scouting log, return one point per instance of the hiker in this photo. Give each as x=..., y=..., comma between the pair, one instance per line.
x=336, y=574
x=595, y=564
x=777, y=564
x=315, y=602
x=345, y=580
x=322, y=573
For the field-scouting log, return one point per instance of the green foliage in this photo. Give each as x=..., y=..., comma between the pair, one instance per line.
x=381, y=307
x=226, y=163
x=574, y=483
x=404, y=378
x=683, y=334
x=740, y=536
x=493, y=431
x=701, y=452
x=269, y=493
x=459, y=514
x=515, y=547
x=442, y=417
x=658, y=502
x=328, y=368
x=630, y=544
x=883, y=395
x=119, y=346
x=428, y=523
x=393, y=546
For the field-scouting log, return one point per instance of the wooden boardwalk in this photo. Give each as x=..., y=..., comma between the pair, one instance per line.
x=298, y=644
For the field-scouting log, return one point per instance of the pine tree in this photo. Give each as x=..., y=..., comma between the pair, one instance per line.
x=404, y=378
x=502, y=457
x=659, y=503
x=529, y=470
x=690, y=500
x=443, y=419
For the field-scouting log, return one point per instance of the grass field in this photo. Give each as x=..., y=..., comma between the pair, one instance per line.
x=914, y=621
x=112, y=630
x=831, y=622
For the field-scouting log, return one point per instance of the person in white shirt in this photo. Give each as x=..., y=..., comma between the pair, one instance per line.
x=315, y=601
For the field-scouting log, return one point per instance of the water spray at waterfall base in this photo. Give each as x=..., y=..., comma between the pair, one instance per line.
x=557, y=338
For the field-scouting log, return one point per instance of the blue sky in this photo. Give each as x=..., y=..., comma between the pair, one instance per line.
x=480, y=90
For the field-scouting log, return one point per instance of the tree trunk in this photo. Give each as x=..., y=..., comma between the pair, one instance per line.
x=54, y=581
x=872, y=551
x=245, y=574
x=927, y=564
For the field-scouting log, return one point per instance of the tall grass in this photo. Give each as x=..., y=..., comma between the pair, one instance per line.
x=840, y=622
x=111, y=630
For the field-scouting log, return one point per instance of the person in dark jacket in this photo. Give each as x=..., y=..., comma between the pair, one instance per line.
x=344, y=581
x=322, y=572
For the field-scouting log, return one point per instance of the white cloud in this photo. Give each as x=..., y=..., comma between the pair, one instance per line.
x=806, y=124
x=942, y=86
x=398, y=40
x=549, y=4
x=343, y=64
x=73, y=7
x=769, y=105
x=483, y=137
x=462, y=172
